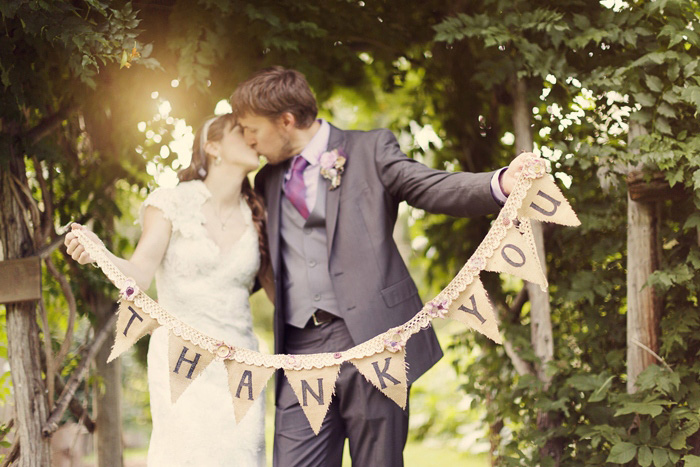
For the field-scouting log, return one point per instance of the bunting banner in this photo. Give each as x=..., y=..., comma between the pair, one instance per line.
x=508, y=247
x=474, y=309
x=246, y=383
x=387, y=372
x=186, y=361
x=132, y=324
x=314, y=388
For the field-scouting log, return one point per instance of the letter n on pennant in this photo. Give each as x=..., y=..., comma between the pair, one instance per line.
x=132, y=324
x=516, y=255
x=474, y=309
x=545, y=202
x=314, y=388
x=186, y=361
x=245, y=383
x=387, y=371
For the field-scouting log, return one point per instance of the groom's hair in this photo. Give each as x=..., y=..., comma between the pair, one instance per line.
x=273, y=91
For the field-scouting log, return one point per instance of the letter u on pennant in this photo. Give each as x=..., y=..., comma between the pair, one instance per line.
x=314, y=388
x=246, y=383
x=132, y=324
x=387, y=372
x=545, y=202
x=186, y=361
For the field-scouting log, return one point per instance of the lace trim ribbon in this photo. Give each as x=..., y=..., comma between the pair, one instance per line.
x=393, y=339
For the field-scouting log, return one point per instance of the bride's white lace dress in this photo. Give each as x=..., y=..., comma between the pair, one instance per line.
x=208, y=289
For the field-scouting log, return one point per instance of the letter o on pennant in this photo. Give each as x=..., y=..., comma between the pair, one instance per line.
x=516, y=250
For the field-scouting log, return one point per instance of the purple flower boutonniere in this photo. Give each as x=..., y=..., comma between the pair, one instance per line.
x=332, y=166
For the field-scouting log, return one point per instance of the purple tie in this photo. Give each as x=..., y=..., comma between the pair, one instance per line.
x=295, y=189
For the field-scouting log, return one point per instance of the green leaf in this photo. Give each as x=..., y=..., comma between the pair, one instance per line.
x=644, y=456
x=600, y=393
x=654, y=83
x=678, y=440
x=622, y=452
x=666, y=110
x=660, y=457
x=645, y=99
x=641, y=408
x=691, y=461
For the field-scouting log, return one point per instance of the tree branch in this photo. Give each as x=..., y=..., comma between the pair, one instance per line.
x=47, y=214
x=76, y=378
x=72, y=308
x=76, y=407
x=48, y=124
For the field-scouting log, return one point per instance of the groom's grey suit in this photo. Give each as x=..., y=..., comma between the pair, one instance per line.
x=370, y=285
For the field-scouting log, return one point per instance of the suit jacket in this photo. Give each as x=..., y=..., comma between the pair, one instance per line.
x=372, y=284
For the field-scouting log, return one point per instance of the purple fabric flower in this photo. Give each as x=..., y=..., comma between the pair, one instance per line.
x=130, y=290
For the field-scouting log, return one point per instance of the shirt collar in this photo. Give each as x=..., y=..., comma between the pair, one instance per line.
x=318, y=144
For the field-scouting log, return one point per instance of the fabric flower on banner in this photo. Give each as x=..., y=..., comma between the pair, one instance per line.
x=534, y=168
x=332, y=166
x=224, y=351
x=436, y=309
x=394, y=343
x=293, y=362
x=130, y=290
x=476, y=264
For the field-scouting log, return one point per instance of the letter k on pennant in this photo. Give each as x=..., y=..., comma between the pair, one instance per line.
x=387, y=371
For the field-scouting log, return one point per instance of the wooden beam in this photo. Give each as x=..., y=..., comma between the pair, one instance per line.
x=20, y=280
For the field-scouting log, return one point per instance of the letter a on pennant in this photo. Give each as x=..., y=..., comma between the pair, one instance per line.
x=387, y=371
x=245, y=382
x=314, y=388
x=474, y=309
x=516, y=255
x=186, y=361
x=545, y=202
x=132, y=324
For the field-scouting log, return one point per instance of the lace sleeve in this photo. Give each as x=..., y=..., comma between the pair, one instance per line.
x=181, y=205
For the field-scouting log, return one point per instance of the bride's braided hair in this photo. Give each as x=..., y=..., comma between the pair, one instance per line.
x=213, y=130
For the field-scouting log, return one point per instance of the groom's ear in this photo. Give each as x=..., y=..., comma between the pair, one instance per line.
x=287, y=121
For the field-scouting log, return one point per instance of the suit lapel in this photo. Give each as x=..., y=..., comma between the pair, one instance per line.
x=273, y=195
x=336, y=140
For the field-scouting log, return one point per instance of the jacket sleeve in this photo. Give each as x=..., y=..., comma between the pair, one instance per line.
x=459, y=194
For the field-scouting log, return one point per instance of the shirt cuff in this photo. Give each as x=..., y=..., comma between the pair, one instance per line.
x=496, y=190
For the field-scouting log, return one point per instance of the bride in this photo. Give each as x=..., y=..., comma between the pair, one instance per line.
x=204, y=240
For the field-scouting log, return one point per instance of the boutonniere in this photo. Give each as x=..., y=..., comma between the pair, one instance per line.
x=332, y=166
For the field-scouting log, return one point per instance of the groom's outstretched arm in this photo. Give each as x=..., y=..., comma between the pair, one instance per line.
x=460, y=194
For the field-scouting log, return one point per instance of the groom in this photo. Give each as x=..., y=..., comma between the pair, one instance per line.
x=339, y=278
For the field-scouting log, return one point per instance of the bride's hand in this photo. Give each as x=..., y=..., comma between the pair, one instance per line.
x=73, y=246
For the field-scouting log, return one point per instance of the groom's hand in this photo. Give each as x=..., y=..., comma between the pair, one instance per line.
x=511, y=174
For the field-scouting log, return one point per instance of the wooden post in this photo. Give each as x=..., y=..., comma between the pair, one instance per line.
x=642, y=259
x=22, y=329
x=541, y=335
x=540, y=309
x=108, y=435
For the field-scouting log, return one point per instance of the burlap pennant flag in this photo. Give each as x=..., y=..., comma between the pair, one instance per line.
x=246, y=383
x=545, y=202
x=516, y=255
x=314, y=388
x=132, y=324
x=387, y=371
x=474, y=309
x=186, y=361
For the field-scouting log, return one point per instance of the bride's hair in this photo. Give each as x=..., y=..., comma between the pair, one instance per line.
x=213, y=130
